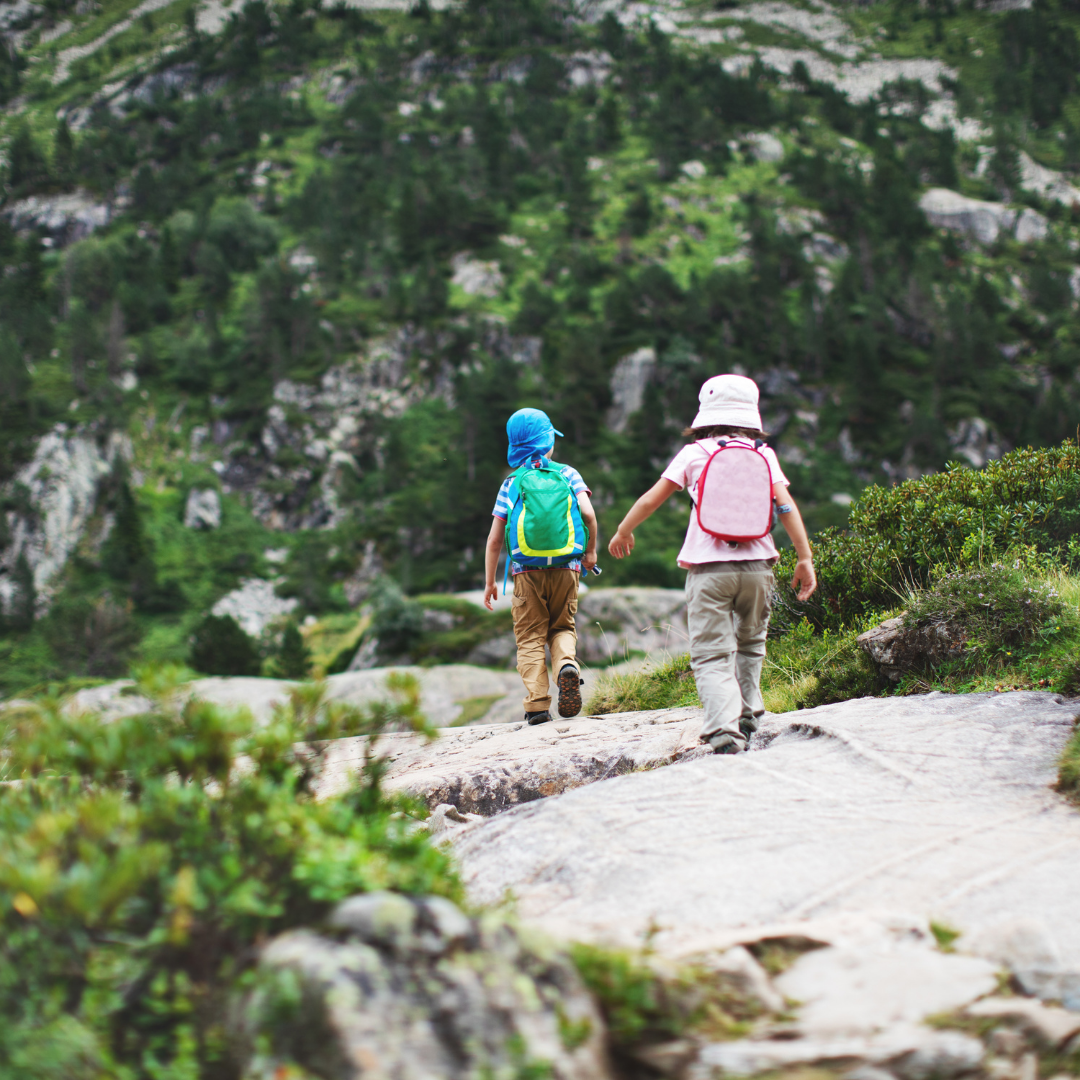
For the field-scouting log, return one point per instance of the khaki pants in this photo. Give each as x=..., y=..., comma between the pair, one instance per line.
x=728, y=607
x=545, y=603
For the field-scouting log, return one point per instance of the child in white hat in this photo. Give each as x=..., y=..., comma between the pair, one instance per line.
x=729, y=586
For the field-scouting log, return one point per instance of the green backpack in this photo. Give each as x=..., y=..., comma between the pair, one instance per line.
x=544, y=527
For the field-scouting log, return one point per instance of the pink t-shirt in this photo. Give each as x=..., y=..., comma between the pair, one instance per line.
x=699, y=546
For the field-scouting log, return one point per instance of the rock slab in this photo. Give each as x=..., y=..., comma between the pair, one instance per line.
x=937, y=806
x=486, y=769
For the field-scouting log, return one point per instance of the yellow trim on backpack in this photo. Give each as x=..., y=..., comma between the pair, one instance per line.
x=524, y=548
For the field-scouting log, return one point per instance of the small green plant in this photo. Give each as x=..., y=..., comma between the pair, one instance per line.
x=944, y=935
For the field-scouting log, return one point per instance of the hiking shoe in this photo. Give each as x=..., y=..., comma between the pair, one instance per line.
x=747, y=725
x=724, y=744
x=570, y=681
x=538, y=717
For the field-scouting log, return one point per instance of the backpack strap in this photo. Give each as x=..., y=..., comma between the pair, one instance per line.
x=517, y=498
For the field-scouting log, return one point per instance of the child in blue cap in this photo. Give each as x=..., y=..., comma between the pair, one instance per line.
x=545, y=597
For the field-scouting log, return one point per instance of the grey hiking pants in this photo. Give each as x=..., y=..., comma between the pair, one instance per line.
x=728, y=606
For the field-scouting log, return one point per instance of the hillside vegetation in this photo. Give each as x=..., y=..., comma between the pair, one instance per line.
x=311, y=257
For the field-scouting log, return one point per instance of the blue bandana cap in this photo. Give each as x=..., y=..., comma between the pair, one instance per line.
x=531, y=436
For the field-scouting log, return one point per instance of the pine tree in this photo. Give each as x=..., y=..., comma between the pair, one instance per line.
x=127, y=556
x=63, y=155
x=293, y=660
x=22, y=609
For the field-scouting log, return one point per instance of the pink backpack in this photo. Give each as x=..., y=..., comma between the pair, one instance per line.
x=734, y=493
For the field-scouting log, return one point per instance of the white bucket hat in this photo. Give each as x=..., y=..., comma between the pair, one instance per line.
x=728, y=401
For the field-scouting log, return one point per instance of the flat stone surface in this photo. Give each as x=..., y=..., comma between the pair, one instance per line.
x=847, y=991
x=937, y=806
x=490, y=768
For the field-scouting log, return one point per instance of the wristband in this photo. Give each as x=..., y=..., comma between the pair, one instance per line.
x=785, y=509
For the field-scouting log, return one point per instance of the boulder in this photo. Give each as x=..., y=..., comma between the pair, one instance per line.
x=202, y=509
x=764, y=146
x=411, y=987
x=1025, y=947
x=897, y=649
x=444, y=691
x=981, y=221
x=487, y=769
x=63, y=218
x=254, y=605
x=476, y=277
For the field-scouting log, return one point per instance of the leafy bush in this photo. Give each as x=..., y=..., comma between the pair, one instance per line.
x=220, y=647
x=897, y=536
x=143, y=860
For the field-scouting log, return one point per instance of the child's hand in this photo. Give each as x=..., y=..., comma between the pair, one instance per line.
x=804, y=579
x=588, y=561
x=491, y=593
x=621, y=544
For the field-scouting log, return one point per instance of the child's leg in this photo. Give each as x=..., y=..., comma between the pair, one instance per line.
x=562, y=591
x=710, y=596
x=530, y=632
x=753, y=605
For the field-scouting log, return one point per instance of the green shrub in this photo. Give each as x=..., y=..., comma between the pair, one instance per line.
x=996, y=612
x=143, y=860
x=898, y=536
x=220, y=647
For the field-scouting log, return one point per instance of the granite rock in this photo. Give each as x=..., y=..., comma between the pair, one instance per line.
x=412, y=987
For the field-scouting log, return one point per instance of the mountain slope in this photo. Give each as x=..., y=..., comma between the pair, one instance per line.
x=303, y=261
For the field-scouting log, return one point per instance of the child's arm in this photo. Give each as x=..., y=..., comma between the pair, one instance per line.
x=491, y=560
x=622, y=543
x=588, y=515
x=804, y=579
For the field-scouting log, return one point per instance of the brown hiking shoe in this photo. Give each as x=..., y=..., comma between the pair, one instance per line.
x=570, y=681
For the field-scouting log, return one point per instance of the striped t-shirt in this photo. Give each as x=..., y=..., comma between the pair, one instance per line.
x=508, y=496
